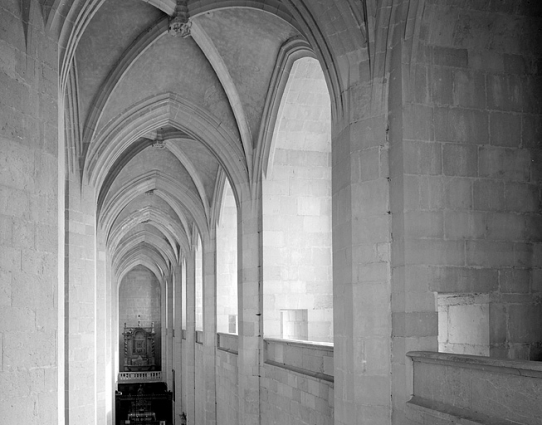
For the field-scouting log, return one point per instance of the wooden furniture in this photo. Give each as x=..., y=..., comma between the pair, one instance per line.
x=144, y=404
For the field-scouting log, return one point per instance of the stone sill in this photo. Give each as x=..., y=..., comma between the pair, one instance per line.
x=301, y=371
x=327, y=346
x=513, y=367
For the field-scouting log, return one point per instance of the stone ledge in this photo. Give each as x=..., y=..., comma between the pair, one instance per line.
x=301, y=371
x=327, y=346
x=513, y=367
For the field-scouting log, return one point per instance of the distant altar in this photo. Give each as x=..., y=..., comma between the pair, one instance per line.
x=139, y=353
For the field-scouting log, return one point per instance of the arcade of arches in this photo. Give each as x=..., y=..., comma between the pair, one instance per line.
x=270, y=212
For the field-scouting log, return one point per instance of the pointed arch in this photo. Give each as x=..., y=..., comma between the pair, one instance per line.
x=171, y=229
x=144, y=237
x=150, y=255
x=173, y=192
x=217, y=198
x=320, y=43
x=140, y=260
x=185, y=161
x=131, y=152
x=290, y=51
x=158, y=111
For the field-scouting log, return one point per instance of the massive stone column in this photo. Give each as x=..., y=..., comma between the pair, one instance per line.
x=209, y=328
x=111, y=345
x=104, y=378
x=250, y=311
x=169, y=330
x=81, y=298
x=177, y=342
x=31, y=219
x=189, y=373
x=361, y=274
x=115, y=325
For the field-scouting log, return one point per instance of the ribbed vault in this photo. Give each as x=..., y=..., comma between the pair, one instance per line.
x=159, y=122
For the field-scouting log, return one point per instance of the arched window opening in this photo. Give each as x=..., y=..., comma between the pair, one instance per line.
x=226, y=240
x=199, y=286
x=298, y=290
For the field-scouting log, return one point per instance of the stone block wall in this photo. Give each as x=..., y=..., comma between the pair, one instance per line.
x=184, y=379
x=80, y=292
x=227, y=395
x=297, y=383
x=465, y=178
x=199, y=385
x=472, y=170
x=291, y=398
x=361, y=264
x=29, y=217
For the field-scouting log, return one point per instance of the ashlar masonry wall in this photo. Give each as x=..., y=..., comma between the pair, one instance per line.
x=472, y=171
x=291, y=398
x=29, y=217
x=227, y=401
x=297, y=383
x=199, y=384
x=465, y=155
x=80, y=292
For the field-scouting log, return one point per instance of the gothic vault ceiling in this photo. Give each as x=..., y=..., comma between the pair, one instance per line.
x=159, y=121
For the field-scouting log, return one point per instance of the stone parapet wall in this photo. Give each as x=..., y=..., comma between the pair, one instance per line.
x=290, y=397
x=227, y=398
x=199, y=386
x=297, y=383
x=227, y=342
x=480, y=389
x=313, y=359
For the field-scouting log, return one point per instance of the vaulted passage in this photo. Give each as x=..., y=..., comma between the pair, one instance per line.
x=270, y=212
